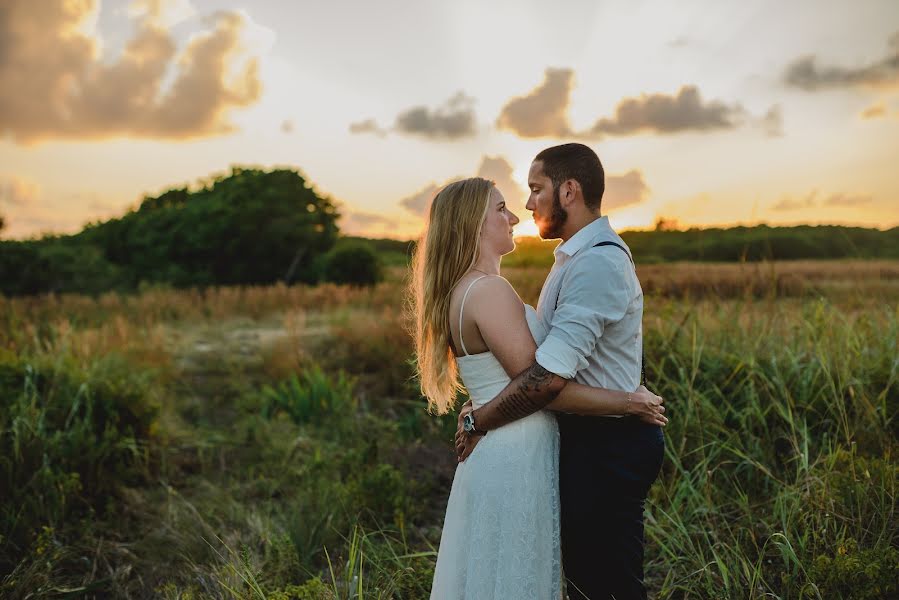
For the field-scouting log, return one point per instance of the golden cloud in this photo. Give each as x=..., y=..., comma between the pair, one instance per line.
x=495, y=168
x=56, y=85
x=621, y=190
x=543, y=112
x=15, y=191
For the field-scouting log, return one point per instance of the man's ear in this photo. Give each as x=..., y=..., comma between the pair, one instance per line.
x=568, y=192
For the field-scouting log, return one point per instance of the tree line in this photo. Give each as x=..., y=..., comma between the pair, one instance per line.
x=737, y=244
x=256, y=227
x=249, y=227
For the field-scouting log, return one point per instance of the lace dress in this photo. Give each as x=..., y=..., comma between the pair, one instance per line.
x=500, y=535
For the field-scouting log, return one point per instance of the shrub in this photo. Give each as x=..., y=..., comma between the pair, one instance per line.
x=313, y=589
x=353, y=263
x=310, y=397
x=857, y=574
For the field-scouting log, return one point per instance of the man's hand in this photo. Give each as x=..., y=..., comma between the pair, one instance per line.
x=647, y=406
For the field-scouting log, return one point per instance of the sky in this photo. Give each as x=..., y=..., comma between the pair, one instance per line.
x=703, y=112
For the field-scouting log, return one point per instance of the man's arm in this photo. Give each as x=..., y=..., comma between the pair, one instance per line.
x=530, y=391
x=594, y=294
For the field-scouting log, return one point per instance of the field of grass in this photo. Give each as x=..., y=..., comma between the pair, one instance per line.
x=269, y=443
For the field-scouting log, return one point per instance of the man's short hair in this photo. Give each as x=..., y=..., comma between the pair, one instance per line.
x=578, y=162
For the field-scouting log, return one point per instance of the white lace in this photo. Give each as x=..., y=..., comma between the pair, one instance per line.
x=500, y=536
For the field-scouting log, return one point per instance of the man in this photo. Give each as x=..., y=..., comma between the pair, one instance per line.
x=592, y=305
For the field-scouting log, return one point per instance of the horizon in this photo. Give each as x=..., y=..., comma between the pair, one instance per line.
x=152, y=95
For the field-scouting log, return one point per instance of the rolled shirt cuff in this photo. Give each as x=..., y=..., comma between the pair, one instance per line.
x=557, y=357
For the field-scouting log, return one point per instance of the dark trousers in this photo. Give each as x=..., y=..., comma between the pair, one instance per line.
x=606, y=467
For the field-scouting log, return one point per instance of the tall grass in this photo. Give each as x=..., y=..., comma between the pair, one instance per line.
x=780, y=450
x=269, y=442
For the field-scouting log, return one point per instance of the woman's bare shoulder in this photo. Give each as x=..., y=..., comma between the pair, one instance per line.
x=485, y=287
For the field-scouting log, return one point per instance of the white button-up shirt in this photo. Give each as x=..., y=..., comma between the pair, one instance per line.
x=596, y=328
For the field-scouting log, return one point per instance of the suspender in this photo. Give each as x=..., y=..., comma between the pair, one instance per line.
x=643, y=352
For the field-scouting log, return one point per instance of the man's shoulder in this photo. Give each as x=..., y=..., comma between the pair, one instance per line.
x=603, y=253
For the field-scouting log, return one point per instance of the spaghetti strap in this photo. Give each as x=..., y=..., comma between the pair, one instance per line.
x=461, y=309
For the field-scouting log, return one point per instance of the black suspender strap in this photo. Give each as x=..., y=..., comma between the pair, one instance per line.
x=617, y=245
x=643, y=353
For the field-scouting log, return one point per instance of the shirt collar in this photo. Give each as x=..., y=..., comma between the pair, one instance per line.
x=583, y=237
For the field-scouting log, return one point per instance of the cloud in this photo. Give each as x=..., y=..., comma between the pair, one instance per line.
x=622, y=190
x=452, y=121
x=162, y=12
x=361, y=221
x=499, y=170
x=660, y=113
x=772, y=122
x=17, y=192
x=367, y=126
x=787, y=203
x=25, y=213
x=419, y=202
x=848, y=200
x=543, y=112
x=495, y=168
x=806, y=74
x=810, y=200
x=64, y=89
x=875, y=111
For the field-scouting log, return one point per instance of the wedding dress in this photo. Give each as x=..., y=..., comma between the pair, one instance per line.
x=500, y=535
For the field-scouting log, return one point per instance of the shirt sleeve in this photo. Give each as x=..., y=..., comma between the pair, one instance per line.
x=595, y=293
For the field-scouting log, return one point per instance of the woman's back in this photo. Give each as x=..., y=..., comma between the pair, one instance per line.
x=501, y=532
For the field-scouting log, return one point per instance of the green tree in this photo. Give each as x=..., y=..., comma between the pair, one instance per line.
x=249, y=227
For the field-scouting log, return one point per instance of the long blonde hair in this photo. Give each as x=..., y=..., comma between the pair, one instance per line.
x=448, y=248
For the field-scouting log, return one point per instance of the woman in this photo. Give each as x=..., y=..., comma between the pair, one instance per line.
x=501, y=531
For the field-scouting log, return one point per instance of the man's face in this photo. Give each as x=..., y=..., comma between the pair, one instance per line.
x=544, y=203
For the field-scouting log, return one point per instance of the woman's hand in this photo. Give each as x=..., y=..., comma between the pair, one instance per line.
x=647, y=406
x=464, y=442
x=463, y=410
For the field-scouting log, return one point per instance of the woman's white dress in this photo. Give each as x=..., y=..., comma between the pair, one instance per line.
x=500, y=536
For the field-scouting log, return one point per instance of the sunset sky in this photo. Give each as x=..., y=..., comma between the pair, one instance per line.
x=707, y=112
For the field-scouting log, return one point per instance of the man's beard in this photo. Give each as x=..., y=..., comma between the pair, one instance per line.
x=557, y=218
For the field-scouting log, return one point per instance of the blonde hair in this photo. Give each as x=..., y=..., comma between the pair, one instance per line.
x=447, y=250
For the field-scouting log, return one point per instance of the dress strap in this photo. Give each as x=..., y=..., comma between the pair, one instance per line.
x=461, y=309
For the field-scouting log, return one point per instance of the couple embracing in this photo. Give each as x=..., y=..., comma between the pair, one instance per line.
x=560, y=441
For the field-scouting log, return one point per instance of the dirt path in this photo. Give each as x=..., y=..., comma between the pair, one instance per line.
x=241, y=342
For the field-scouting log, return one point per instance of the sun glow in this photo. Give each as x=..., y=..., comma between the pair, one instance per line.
x=527, y=228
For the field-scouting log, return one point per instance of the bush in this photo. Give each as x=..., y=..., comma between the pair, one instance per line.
x=313, y=589
x=310, y=397
x=857, y=574
x=55, y=265
x=353, y=263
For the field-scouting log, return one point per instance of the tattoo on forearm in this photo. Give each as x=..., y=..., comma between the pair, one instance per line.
x=530, y=395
